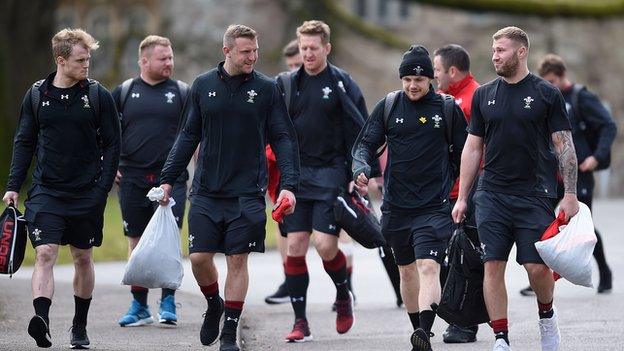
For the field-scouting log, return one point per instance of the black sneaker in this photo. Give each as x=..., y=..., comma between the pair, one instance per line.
x=528, y=291
x=79, y=338
x=228, y=342
x=280, y=296
x=38, y=329
x=420, y=340
x=455, y=334
x=212, y=318
x=605, y=284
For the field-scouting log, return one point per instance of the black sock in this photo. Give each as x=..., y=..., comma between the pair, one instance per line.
x=167, y=292
x=349, y=273
x=297, y=280
x=426, y=320
x=140, y=294
x=231, y=319
x=337, y=271
x=503, y=335
x=415, y=319
x=42, y=307
x=81, y=311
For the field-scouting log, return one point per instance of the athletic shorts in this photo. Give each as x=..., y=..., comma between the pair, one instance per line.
x=417, y=235
x=227, y=225
x=312, y=215
x=137, y=209
x=82, y=231
x=504, y=220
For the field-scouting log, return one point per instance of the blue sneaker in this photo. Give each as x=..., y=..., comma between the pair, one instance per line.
x=137, y=315
x=167, y=312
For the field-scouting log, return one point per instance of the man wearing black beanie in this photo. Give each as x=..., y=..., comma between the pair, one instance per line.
x=425, y=134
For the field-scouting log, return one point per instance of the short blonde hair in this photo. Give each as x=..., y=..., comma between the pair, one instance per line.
x=513, y=33
x=315, y=27
x=64, y=41
x=150, y=41
x=235, y=31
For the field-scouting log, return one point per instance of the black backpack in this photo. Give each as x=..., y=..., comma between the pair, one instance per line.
x=591, y=137
x=447, y=111
x=356, y=217
x=462, y=301
x=12, y=240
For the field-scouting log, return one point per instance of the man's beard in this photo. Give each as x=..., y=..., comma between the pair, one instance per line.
x=509, y=68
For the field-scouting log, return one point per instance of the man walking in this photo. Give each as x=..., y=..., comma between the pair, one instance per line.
x=233, y=111
x=150, y=107
x=451, y=68
x=70, y=124
x=327, y=110
x=425, y=133
x=517, y=117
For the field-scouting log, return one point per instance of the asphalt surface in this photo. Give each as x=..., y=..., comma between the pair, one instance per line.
x=587, y=321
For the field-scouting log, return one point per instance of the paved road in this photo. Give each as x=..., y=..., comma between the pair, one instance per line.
x=588, y=321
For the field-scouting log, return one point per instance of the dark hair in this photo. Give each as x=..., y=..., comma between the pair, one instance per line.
x=552, y=63
x=454, y=55
x=291, y=49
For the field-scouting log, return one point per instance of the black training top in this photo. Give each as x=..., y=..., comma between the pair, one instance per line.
x=317, y=116
x=516, y=122
x=418, y=170
x=64, y=138
x=233, y=118
x=594, y=125
x=149, y=124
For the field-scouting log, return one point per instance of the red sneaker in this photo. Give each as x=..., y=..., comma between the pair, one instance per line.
x=344, y=315
x=300, y=332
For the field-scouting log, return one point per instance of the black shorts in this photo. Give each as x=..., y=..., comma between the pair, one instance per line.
x=227, y=225
x=137, y=209
x=82, y=231
x=417, y=235
x=504, y=219
x=312, y=215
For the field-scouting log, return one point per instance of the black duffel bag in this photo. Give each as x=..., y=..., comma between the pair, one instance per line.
x=462, y=300
x=355, y=215
x=12, y=240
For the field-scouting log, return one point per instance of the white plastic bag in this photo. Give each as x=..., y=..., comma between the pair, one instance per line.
x=156, y=261
x=569, y=253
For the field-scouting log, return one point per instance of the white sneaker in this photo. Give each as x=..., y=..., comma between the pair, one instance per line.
x=501, y=345
x=549, y=332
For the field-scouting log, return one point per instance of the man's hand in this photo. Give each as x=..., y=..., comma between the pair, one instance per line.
x=362, y=190
x=167, y=189
x=569, y=205
x=118, y=177
x=290, y=196
x=10, y=196
x=589, y=164
x=361, y=180
x=459, y=211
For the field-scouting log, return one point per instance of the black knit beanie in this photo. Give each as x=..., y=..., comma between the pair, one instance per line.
x=416, y=62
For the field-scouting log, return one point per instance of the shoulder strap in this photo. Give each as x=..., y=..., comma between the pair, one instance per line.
x=183, y=88
x=448, y=109
x=389, y=104
x=35, y=99
x=94, y=96
x=125, y=90
x=576, y=91
x=285, y=78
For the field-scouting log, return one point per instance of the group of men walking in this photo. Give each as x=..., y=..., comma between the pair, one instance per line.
x=515, y=133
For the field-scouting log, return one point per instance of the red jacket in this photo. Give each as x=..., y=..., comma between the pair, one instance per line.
x=462, y=91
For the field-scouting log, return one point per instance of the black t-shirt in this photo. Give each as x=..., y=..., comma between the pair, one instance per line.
x=317, y=116
x=516, y=122
x=149, y=124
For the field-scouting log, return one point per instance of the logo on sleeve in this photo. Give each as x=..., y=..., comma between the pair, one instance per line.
x=423, y=119
x=326, y=92
x=85, y=99
x=436, y=119
x=252, y=94
x=527, y=102
x=170, y=97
